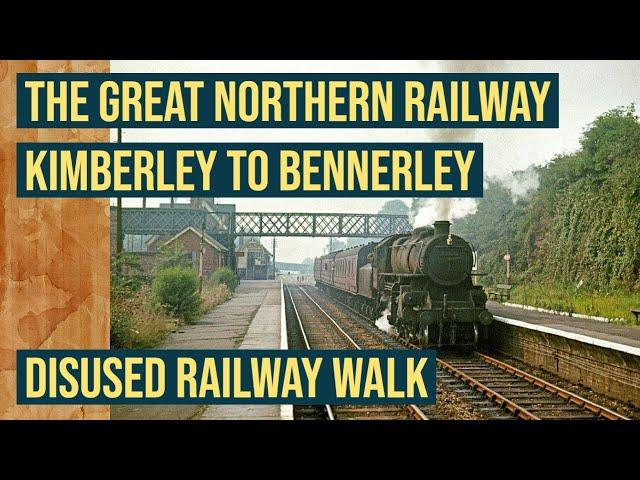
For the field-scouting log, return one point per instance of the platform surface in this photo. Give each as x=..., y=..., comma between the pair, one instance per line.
x=605, y=333
x=251, y=319
x=263, y=333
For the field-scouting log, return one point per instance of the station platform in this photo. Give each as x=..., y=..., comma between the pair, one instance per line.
x=252, y=319
x=607, y=335
x=601, y=356
x=267, y=330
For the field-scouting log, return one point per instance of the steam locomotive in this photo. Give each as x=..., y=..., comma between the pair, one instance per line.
x=421, y=281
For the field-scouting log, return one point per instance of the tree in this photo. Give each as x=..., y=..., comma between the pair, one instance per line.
x=394, y=207
x=173, y=255
x=578, y=227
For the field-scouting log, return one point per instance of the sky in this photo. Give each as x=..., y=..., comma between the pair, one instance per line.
x=587, y=89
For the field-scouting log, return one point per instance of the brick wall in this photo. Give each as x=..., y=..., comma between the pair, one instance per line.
x=191, y=243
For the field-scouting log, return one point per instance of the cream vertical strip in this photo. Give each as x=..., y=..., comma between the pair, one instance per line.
x=286, y=411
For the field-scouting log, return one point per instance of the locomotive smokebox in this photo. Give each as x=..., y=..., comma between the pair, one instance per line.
x=442, y=227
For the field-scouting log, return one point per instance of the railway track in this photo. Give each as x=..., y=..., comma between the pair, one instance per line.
x=317, y=329
x=494, y=388
x=522, y=394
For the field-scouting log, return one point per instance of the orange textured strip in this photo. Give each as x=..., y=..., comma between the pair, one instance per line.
x=54, y=256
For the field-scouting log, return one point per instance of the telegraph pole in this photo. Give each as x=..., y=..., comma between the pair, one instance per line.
x=119, y=236
x=274, y=258
x=204, y=221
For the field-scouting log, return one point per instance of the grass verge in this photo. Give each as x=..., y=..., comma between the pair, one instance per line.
x=615, y=304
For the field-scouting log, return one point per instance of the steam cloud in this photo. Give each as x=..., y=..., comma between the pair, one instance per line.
x=425, y=211
x=521, y=184
x=383, y=324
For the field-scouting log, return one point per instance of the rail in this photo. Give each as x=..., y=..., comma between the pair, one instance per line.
x=503, y=401
x=414, y=411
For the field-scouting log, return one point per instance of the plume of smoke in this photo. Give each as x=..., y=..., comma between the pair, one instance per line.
x=466, y=66
x=425, y=211
x=522, y=183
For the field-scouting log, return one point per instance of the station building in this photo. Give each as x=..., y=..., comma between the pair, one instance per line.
x=218, y=251
x=254, y=261
x=192, y=241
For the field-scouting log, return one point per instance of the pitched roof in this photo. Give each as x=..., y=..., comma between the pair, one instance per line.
x=255, y=244
x=207, y=238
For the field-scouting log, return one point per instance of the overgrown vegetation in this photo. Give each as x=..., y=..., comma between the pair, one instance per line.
x=578, y=232
x=214, y=294
x=176, y=289
x=225, y=276
x=144, y=309
x=136, y=321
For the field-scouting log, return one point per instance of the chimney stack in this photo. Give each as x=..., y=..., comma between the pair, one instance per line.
x=442, y=227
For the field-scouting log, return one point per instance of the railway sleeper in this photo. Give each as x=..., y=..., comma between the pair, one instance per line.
x=539, y=407
x=528, y=397
x=571, y=417
x=538, y=401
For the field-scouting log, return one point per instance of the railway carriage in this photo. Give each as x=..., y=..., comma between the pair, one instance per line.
x=421, y=281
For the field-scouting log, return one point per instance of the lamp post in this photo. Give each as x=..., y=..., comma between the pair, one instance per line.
x=507, y=259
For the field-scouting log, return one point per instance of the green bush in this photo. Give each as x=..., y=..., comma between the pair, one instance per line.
x=121, y=316
x=176, y=289
x=126, y=271
x=225, y=276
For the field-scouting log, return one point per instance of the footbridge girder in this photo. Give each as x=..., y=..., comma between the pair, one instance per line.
x=159, y=221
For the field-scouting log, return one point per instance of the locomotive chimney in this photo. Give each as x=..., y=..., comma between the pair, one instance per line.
x=442, y=227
